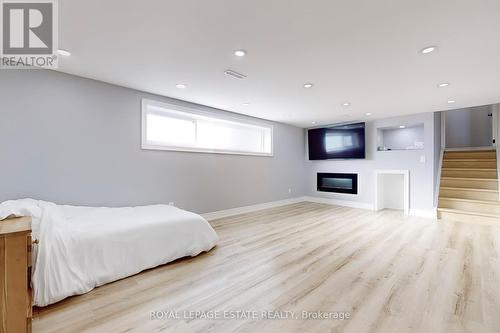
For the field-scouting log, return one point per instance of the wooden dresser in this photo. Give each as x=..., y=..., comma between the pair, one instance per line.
x=15, y=275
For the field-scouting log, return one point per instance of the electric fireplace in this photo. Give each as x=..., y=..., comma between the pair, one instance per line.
x=338, y=182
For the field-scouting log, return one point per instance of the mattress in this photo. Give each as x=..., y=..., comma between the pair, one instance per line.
x=81, y=248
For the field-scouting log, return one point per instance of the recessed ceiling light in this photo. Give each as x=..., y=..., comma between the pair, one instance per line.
x=368, y=114
x=63, y=52
x=402, y=126
x=346, y=104
x=240, y=53
x=246, y=104
x=308, y=85
x=180, y=85
x=428, y=49
x=444, y=84
x=313, y=122
x=451, y=101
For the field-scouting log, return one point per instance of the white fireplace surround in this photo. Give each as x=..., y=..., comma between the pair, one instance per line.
x=406, y=188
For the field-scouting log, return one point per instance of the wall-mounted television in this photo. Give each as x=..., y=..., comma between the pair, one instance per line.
x=337, y=142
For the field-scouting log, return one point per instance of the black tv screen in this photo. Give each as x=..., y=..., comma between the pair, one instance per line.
x=337, y=142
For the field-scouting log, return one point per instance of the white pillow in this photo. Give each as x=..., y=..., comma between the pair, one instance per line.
x=19, y=208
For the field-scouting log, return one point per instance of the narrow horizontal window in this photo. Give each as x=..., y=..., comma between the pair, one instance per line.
x=171, y=127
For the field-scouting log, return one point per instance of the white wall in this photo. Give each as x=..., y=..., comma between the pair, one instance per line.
x=496, y=134
x=422, y=175
x=469, y=127
x=438, y=147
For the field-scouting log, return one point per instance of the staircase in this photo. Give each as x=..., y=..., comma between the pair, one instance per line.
x=469, y=187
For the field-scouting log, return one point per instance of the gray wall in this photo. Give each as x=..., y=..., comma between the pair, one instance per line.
x=77, y=141
x=422, y=175
x=470, y=127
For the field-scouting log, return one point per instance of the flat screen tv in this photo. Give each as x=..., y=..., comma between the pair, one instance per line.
x=337, y=142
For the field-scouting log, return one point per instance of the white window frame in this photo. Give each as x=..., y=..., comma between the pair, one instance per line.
x=197, y=112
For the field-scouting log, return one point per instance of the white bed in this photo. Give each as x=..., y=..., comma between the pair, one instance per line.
x=83, y=247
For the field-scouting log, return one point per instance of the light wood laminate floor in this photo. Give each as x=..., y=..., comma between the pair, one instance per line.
x=392, y=273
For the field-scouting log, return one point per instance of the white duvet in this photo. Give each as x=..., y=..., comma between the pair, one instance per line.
x=82, y=247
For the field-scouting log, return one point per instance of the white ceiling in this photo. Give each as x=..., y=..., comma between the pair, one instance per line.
x=362, y=51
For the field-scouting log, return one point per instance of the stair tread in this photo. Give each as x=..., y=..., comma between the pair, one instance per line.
x=471, y=200
x=470, y=160
x=472, y=151
x=471, y=169
x=465, y=212
x=465, y=150
x=465, y=178
x=468, y=189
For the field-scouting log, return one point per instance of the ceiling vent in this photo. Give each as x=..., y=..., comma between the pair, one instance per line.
x=234, y=74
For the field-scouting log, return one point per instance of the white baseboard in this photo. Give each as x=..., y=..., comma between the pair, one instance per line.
x=429, y=213
x=425, y=213
x=346, y=203
x=252, y=208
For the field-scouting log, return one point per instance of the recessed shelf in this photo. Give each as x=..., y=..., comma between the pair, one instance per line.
x=389, y=150
x=401, y=138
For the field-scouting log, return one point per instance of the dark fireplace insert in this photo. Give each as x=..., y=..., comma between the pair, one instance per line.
x=338, y=182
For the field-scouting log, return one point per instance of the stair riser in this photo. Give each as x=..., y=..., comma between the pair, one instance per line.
x=470, y=173
x=474, y=195
x=465, y=155
x=470, y=164
x=470, y=206
x=467, y=218
x=470, y=183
